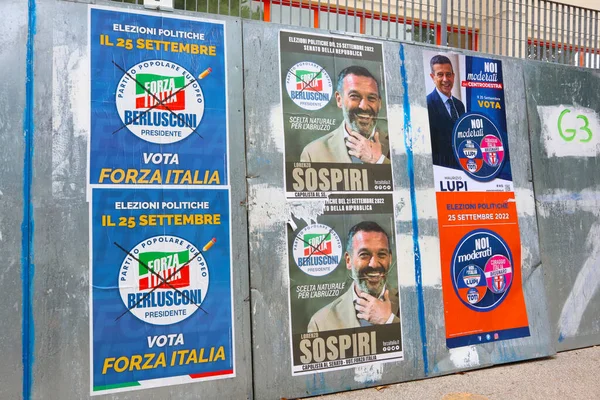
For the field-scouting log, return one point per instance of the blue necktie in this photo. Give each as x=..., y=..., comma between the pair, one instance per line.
x=453, y=112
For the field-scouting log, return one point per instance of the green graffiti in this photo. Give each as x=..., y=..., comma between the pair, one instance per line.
x=569, y=134
x=560, y=131
x=585, y=128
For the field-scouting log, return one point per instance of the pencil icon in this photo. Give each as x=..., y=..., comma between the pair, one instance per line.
x=210, y=244
x=205, y=73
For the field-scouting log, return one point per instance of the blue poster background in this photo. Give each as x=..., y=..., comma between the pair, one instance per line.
x=128, y=335
x=476, y=65
x=116, y=148
x=468, y=246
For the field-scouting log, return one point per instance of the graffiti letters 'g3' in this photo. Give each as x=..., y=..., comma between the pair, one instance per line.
x=570, y=133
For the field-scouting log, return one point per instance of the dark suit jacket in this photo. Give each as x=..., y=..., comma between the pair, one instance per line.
x=440, y=126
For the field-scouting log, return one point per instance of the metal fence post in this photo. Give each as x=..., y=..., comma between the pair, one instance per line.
x=444, y=23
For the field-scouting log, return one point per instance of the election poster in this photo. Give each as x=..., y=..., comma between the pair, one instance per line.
x=158, y=99
x=480, y=248
x=334, y=115
x=161, y=305
x=344, y=300
x=160, y=293
x=467, y=123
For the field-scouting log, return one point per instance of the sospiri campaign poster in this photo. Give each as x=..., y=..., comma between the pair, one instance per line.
x=158, y=99
x=344, y=299
x=480, y=249
x=161, y=301
x=334, y=115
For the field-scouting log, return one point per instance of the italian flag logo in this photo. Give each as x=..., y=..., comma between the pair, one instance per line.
x=164, y=264
x=157, y=91
x=309, y=80
x=317, y=244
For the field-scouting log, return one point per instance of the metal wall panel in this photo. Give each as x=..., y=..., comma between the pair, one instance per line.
x=567, y=192
x=61, y=368
x=268, y=216
x=566, y=189
x=422, y=314
x=12, y=107
x=539, y=344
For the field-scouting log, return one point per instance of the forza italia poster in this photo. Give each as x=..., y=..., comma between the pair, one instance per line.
x=160, y=236
x=158, y=100
x=160, y=288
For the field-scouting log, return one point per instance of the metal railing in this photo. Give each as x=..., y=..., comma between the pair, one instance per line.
x=536, y=29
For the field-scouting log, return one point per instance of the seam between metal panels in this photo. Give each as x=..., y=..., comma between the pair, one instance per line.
x=27, y=267
x=528, y=120
x=249, y=302
x=413, y=197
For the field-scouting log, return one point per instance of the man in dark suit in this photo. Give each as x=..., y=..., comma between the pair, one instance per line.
x=444, y=110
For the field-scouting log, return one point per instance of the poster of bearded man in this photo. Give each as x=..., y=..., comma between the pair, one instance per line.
x=344, y=299
x=334, y=115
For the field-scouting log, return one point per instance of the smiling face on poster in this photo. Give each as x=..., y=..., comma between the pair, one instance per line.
x=467, y=122
x=334, y=115
x=344, y=298
x=480, y=249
